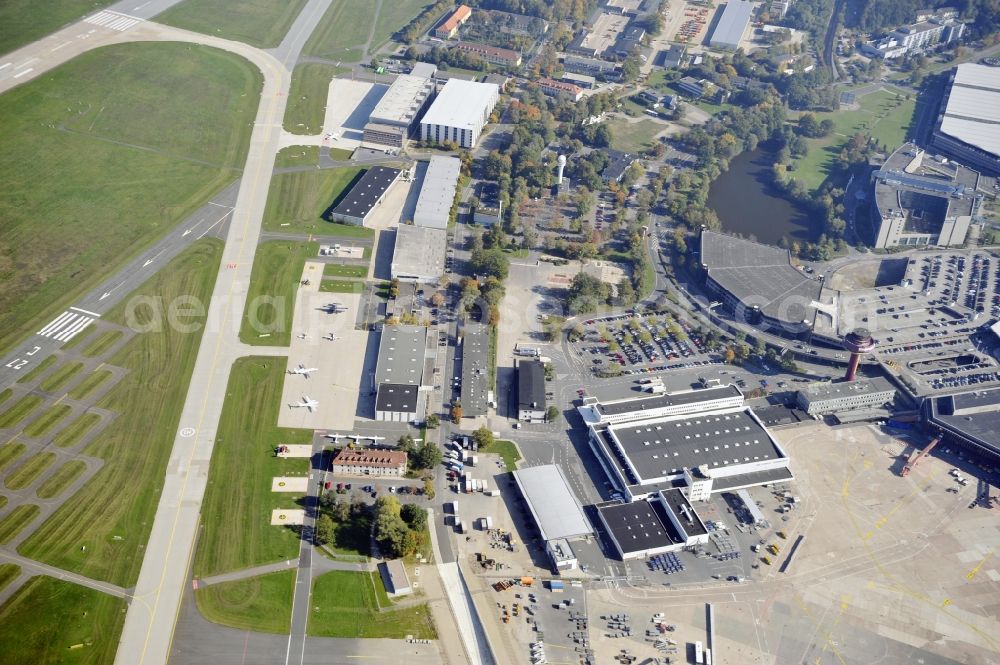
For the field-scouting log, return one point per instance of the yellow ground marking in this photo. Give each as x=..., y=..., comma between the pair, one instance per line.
x=972, y=573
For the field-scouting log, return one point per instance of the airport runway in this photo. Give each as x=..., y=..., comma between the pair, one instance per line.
x=208, y=219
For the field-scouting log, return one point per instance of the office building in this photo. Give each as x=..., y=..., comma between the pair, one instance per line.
x=842, y=397
x=502, y=57
x=554, y=88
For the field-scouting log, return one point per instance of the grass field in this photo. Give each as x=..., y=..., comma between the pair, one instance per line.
x=348, y=271
x=118, y=160
x=393, y=17
x=8, y=573
x=30, y=470
x=93, y=381
x=19, y=410
x=9, y=453
x=341, y=286
x=634, y=137
x=277, y=269
x=343, y=31
x=39, y=368
x=507, y=451
x=261, y=23
x=46, y=618
x=884, y=115
x=297, y=155
x=346, y=604
x=24, y=21
x=59, y=378
x=296, y=202
x=61, y=479
x=236, y=513
x=261, y=604
x=48, y=420
x=15, y=520
x=76, y=430
x=102, y=343
x=307, y=97
x=5, y=395
x=3, y=501
x=112, y=514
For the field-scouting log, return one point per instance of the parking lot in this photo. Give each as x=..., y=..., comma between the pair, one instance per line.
x=630, y=344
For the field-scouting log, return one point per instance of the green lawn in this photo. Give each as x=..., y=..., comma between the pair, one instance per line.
x=63, y=477
x=342, y=270
x=307, y=97
x=5, y=395
x=104, y=155
x=297, y=155
x=39, y=368
x=76, y=430
x=634, y=137
x=8, y=573
x=102, y=343
x=277, y=270
x=297, y=201
x=342, y=31
x=236, y=531
x=346, y=604
x=51, y=621
x=341, y=286
x=19, y=410
x=884, y=115
x=393, y=17
x=506, y=450
x=48, y=420
x=17, y=519
x=9, y=453
x=59, y=378
x=93, y=381
x=24, y=21
x=262, y=604
x=261, y=23
x=101, y=532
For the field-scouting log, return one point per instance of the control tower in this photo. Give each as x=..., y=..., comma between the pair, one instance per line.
x=858, y=342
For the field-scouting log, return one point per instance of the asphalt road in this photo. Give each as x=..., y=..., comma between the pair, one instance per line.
x=211, y=218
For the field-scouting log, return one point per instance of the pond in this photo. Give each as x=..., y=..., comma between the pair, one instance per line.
x=747, y=202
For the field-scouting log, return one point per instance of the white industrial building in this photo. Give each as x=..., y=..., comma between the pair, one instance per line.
x=402, y=363
x=557, y=514
x=968, y=124
x=459, y=112
x=419, y=254
x=437, y=193
x=731, y=26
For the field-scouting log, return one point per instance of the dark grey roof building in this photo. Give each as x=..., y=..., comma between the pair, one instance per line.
x=530, y=390
x=366, y=193
x=971, y=420
x=475, y=370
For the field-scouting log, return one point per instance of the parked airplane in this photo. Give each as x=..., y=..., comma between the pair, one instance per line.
x=333, y=308
x=335, y=437
x=331, y=336
x=303, y=370
x=303, y=335
x=307, y=402
x=359, y=437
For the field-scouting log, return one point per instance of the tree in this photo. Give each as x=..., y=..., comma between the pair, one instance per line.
x=414, y=516
x=429, y=489
x=552, y=413
x=729, y=356
x=406, y=444
x=437, y=299
x=483, y=437
x=433, y=421
x=456, y=413
x=325, y=530
x=489, y=262
x=427, y=456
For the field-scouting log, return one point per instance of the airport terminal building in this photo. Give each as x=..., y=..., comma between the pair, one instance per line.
x=703, y=446
x=970, y=420
x=966, y=126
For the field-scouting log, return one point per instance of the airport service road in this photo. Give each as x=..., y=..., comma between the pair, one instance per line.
x=211, y=218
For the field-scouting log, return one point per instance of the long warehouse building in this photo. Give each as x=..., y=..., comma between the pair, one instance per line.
x=459, y=112
x=731, y=26
x=437, y=193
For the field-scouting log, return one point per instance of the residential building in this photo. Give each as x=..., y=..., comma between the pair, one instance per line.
x=555, y=88
x=366, y=462
x=459, y=113
x=929, y=30
x=503, y=57
x=449, y=27
x=602, y=69
x=579, y=80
